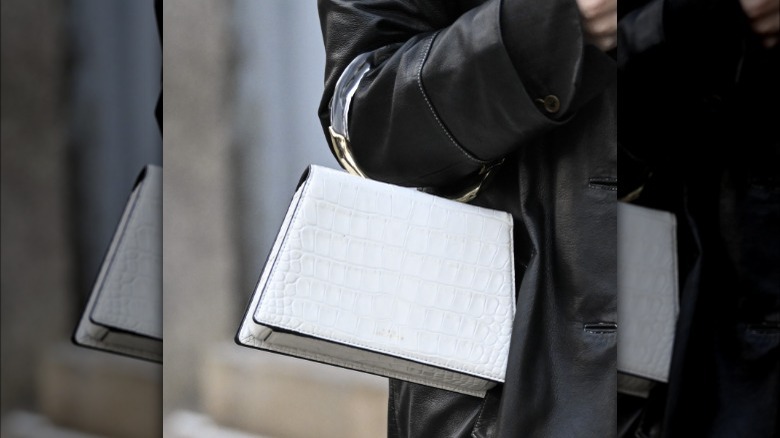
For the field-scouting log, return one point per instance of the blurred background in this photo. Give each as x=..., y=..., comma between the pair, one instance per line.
x=242, y=81
x=80, y=80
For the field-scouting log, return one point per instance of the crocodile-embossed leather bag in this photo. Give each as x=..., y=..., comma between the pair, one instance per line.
x=388, y=280
x=124, y=311
x=647, y=295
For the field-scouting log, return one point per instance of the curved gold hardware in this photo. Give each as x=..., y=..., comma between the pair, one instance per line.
x=343, y=153
x=340, y=147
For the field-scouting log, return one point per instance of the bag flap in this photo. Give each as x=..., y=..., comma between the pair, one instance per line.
x=394, y=270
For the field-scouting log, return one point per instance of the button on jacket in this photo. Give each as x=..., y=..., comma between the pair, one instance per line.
x=458, y=85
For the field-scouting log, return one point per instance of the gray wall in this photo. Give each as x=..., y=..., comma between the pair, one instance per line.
x=36, y=261
x=242, y=84
x=199, y=264
x=114, y=82
x=79, y=83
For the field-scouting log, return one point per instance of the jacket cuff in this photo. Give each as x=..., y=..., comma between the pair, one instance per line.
x=524, y=63
x=545, y=42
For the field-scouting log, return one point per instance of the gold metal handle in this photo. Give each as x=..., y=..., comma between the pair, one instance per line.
x=343, y=154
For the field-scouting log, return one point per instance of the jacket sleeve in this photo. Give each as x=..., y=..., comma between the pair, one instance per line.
x=448, y=91
x=697, y=29
x=677, y=64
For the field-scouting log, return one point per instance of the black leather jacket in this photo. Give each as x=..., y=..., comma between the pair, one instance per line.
x=698, y=122
x=456, y=85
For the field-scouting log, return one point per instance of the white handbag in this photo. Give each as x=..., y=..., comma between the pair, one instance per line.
x=388, y=280
x=647, y=295
x=124, y=311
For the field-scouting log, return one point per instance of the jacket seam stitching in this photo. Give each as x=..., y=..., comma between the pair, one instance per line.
x=479, y=418
x=423, y=58
x=392, y=408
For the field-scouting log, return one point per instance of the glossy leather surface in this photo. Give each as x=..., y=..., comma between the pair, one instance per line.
x=713, y=163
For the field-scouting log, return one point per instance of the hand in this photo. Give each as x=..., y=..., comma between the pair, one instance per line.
x=599, y=21
x=764, y=18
